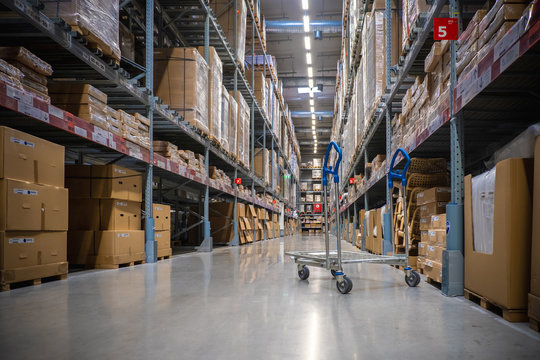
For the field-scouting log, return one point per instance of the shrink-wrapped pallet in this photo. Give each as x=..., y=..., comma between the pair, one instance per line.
x=225, y=13
x=233, y=124
x=225, y=112
x=181, y=81
x=215, y=76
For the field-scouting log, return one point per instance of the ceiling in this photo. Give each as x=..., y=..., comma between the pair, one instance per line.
x=289, y=50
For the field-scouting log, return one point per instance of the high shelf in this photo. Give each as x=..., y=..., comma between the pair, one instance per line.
x=488, y=105
x=309, y=198
x=188, y=23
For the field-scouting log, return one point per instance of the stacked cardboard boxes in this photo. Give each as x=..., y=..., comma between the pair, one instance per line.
x=181, y=80
x=215, y=87
x=105, y=216
x=162, y=229
x=225, y=121
x=32, y=71
x=226, y=14
x=534, y=294
x=33, y=208
x=262, y=164
x=241, y=125
x=430, y=249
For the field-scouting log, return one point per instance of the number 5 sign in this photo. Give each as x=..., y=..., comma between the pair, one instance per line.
x=445, y=29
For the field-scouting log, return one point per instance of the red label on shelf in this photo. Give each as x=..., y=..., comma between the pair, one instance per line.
x=238, y=181
x=317, y=207
x=351, y=181
x=274, y=201
x=445, y=29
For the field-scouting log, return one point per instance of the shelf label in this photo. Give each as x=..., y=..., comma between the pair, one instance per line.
x=317, y=208
x=25, y=192
x=19, y=95
x=351, y=181
x=56, y=112
x=161, y=164
x=509, y=57
x=445, y=29
x=238, y=181
x=80, y=131
x=21, y=240
x=32, y=111
x=22, y=142
x=100, y=136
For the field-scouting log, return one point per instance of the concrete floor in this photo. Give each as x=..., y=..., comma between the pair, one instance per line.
x=248, y=303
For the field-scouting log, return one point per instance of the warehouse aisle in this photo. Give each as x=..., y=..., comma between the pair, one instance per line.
x=247, y=302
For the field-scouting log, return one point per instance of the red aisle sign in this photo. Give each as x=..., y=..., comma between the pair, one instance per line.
x=238, y=181
x=317, y=207
x=445, y=29
x=351, y=181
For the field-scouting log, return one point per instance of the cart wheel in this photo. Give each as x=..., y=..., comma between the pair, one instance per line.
x=344, y=286
x=304, y=273
x=333, y=272
x=413, y=279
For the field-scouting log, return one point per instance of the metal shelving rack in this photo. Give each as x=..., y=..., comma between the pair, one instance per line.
x=504, y=82
x=54, y=41
x=312, y=214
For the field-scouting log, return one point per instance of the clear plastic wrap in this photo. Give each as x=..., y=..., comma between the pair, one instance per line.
x=35, y=86
x=27, y=73
x=127, y=43
x=225, y=103
x=98, y=20
x=142, y=119
x=128, y=120
x=214, y=92
x=10, y=70
x=224, y=10
x=244, y=123
x=38, y=94
x=483, y=201
x=27, y=58
x=275, y=170
x=181, y=81
x=359, y=103
x=233, y=124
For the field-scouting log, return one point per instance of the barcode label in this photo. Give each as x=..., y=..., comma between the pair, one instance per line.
x=56, y=112
x=123, y=235
x=22, y=142
x=21, y=240
x=25, y=192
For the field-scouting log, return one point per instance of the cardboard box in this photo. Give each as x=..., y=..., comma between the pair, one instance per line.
x=503, y=276
x=534, y=307
x=119, y=214
x=28, y=158
x=438, y=222
x=84, y=214
x=80, y=245
x=434, y=253
x=121, y=242
x=215, y=86
x=262, y=164
x=163, y=239
x=433, y=270
x=436, y=237
x=425, y=222
x=434, y=208
x=422, y=249
x=181, y=81
x=535, y=245
x=29, y=248
x=436, y=194
x=25, y=206
x=162, y=217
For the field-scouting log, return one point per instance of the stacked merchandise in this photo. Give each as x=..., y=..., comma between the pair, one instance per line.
x=215, y=78
x=135, y=129
x=374, y=230
x=194, y=161
x=275, y=171
x=361, y=232
x=412, y=10
x=127, y=43
x=33, y=209
x=423, y=174
x=225, y=113
x=97, y=20
x=104, y=216
x=233, y=124
x=162, y=229
x=181, y=81
x=85, y=102
x=219, y=175
x=226, y=11
x=221, y=218
x=432, y=208
x=259, y=88
x=262, y=164
x=168, y=150
x=242, y=126
x=32, y=71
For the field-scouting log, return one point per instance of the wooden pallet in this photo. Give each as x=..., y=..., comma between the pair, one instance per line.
x=534, y=324
x=115, y=261
x=512, y=315
x=32, y=275
x=96, y=44
x=164, y=254
x=433, y=282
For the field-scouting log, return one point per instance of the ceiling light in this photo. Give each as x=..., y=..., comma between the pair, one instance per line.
x=314, y=151
x=313, y=122
x=304, y=4
x=307, y=43
x=310, y=71
x=311, y=94
x=313, y=117
x=306, y=23
x=308, y=58
x=310, y=83
x=312, y=103
x=312, y=127
x=312, y=109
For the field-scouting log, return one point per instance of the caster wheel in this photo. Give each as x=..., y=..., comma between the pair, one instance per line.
x=413, y=280
x=333, y=272
x=344, y=286
x=303, y=274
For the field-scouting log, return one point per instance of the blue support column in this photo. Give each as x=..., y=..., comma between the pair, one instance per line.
x=235, y=241
x=453, y=261
x=387, y=218
x=150, y=245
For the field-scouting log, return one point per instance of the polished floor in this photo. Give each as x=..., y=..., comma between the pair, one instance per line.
x=248, y=303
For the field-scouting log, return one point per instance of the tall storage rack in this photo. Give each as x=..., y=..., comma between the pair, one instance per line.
x=491, y=105
x=186, y=23
x=310, y=217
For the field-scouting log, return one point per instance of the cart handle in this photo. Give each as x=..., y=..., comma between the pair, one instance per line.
x=332, y=171
x=398, y=174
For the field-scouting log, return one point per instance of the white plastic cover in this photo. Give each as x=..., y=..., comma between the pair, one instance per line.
x=521, y=147
x=483, y=196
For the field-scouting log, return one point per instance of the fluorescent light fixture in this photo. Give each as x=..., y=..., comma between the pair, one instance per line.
x=306, y=23
x=312, y=93
x=314, y=151
x=312, y=109
x=312, y=103
x=308, y=90
x=307, y=42
x=313, y=117
x=305, y=4
x=308, y=58
x=310, y=84
x=312, y=127
x=310, y=71
x=313, y=122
